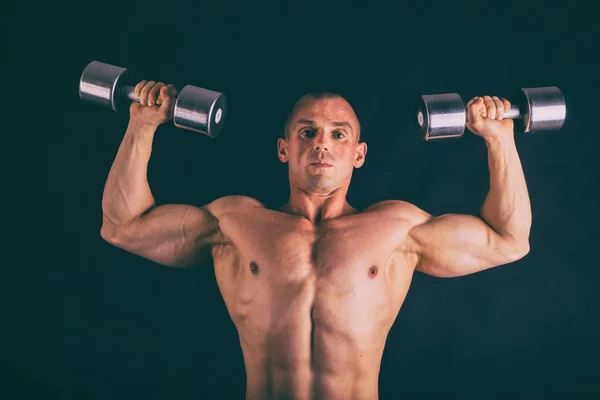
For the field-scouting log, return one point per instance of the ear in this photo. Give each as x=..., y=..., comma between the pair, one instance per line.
x=361, y=152
x=282, y=150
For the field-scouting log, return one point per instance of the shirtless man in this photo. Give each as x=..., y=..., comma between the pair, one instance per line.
x=314, y=287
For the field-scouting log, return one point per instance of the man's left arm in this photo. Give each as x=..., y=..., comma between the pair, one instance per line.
x=453, y=245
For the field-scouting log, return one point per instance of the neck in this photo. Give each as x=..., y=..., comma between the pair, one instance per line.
x=317, y=207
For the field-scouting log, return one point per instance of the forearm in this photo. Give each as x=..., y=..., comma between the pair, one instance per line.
x=127, y=193
x=507, y=208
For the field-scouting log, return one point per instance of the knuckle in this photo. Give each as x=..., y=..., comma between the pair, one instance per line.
x=154, y=91
x=139, y=87
x=149, y=86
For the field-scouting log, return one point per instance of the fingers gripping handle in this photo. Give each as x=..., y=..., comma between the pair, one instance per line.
x=513, y=113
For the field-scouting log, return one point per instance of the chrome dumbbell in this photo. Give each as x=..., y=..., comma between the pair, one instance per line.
x=442, y=116
x=196, y=109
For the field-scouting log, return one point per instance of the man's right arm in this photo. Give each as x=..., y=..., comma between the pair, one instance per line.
x=173, y=235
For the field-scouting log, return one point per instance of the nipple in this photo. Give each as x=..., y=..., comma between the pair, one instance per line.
x=373, y=271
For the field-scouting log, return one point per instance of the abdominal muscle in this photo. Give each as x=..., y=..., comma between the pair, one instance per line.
x=298, y=358
x=302, y=343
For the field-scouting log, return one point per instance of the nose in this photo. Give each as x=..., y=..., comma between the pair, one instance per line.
x=320, y=142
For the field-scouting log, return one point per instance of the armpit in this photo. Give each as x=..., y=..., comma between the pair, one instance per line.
x=223, y=240
x=222, y=246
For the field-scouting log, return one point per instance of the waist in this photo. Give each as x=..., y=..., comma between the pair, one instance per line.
x=307, y=384
x=306, y=379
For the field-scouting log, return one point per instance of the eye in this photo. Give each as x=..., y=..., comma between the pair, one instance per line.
x=307, y=132
x=338, y=134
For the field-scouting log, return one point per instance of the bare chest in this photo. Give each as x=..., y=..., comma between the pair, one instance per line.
x=290, y=248
x=274, y=258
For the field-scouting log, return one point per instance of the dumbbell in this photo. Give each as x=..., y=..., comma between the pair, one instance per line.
x=442, y=116
x=196, y=109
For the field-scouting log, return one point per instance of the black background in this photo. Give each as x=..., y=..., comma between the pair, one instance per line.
x=85, y=320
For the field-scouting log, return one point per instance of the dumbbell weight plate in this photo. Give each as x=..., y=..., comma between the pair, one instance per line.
x=548, y=109
x=441, y=116
x=103, y=84
x=200, y=110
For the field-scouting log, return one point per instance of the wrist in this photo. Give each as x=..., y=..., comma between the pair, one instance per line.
x=140, y=128
x=500, y=142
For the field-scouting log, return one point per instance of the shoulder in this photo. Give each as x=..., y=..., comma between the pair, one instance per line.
x=229, y=204
x=402, y=209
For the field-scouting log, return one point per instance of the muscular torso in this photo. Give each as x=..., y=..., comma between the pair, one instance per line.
x=312, y=304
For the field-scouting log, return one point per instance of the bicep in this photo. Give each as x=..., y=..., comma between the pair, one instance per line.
x=173, y=235
x=454, y=245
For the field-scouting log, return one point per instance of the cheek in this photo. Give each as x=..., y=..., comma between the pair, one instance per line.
x=348, y=156
x=296, y=156
x=301, y=153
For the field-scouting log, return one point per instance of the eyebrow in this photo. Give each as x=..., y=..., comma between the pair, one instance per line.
x=342, y=124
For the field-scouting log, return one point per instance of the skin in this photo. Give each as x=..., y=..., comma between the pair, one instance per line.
x=314, y=287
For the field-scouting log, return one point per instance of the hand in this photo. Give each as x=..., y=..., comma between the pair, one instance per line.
x=156, y=105
x=485, y=117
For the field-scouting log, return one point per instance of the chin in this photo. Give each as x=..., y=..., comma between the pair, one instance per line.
x=321, y=183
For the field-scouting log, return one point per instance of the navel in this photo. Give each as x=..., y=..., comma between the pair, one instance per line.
x=373, y=271
x=254, y=268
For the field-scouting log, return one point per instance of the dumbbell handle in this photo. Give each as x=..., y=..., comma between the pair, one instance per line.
x=513, y=113
x=129, y=92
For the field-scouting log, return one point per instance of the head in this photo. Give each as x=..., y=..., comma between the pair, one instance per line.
x=321, y=127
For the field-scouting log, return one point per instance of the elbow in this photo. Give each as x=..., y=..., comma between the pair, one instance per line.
x=107, y=232
x=111, y=233
x=524, y=250
x=518, y=251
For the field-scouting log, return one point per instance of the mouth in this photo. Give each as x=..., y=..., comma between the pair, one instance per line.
x=321, y=165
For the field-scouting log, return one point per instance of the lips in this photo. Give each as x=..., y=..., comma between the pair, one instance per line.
x=321, y=164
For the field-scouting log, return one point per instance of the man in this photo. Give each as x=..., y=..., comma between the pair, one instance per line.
x=314, y=287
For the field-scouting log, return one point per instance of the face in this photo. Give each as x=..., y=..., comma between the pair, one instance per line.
x=322, y=147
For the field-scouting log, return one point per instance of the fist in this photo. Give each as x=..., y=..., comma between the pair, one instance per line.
x=156, y=105
x=485, y=117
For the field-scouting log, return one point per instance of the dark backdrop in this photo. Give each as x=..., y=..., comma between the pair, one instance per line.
x=85, y=320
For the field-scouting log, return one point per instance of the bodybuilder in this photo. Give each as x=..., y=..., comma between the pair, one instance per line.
x=314, y=287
